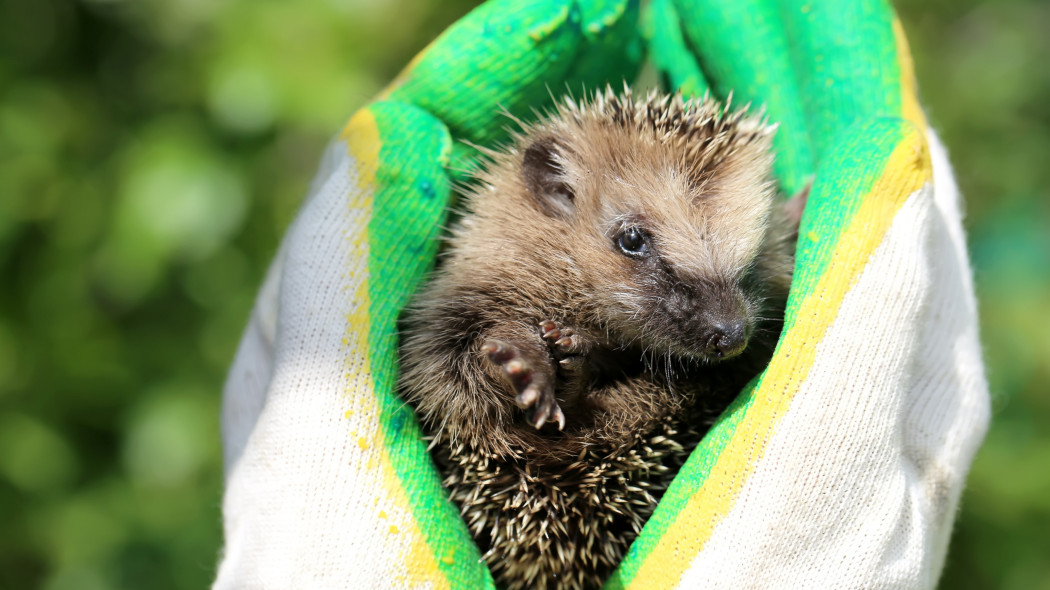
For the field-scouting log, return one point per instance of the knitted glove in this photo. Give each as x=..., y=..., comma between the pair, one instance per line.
x=328, y=482
x=841, y=466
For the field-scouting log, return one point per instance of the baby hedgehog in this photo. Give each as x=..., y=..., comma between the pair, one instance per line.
x=619, y=275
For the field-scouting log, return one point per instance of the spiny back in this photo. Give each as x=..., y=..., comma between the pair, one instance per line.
x=705, y=130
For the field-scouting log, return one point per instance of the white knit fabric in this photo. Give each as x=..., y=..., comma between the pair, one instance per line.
x=303, y=506
x=857, y=488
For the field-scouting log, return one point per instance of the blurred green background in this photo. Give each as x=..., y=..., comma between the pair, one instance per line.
x=152, y=152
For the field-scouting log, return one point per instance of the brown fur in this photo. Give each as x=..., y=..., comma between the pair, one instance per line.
x=630, y=351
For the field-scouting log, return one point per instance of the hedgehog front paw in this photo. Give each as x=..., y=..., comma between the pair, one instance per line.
x=533, y=382
x=570, y=350
x=564, y=342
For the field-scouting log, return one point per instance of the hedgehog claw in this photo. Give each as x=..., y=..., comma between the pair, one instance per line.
x=544, y=407
x=562, y=341
x=514, y=367
x=498, y=352
x=572, y=363
x=527, y=397
x=547, y=410
x=533, y=382
x=559, y=417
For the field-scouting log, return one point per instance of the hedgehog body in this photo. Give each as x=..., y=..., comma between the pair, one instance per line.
x=618, y=276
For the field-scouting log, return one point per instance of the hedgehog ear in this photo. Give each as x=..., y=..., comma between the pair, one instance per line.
x=794, y=207
x=545, y=178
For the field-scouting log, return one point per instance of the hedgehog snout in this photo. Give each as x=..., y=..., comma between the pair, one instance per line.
x=709, y=321
x=726, y=339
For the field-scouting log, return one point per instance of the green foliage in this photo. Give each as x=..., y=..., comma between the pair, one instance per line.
x=151, y=154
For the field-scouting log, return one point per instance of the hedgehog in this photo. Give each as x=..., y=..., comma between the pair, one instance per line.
x=618, y=275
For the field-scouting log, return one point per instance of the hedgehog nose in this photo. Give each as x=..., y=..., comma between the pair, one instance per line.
x=728, y=339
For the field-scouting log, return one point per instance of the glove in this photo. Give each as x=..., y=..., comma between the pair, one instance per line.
x=328, y=482
x=842, y=464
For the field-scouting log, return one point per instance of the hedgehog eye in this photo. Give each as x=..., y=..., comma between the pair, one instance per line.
x=633, y=242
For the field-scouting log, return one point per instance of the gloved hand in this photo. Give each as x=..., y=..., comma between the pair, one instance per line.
x=328, y=483
x=840, y=467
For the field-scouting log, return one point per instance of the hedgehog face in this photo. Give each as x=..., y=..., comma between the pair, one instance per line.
x=683, y=257
x=669, y=222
